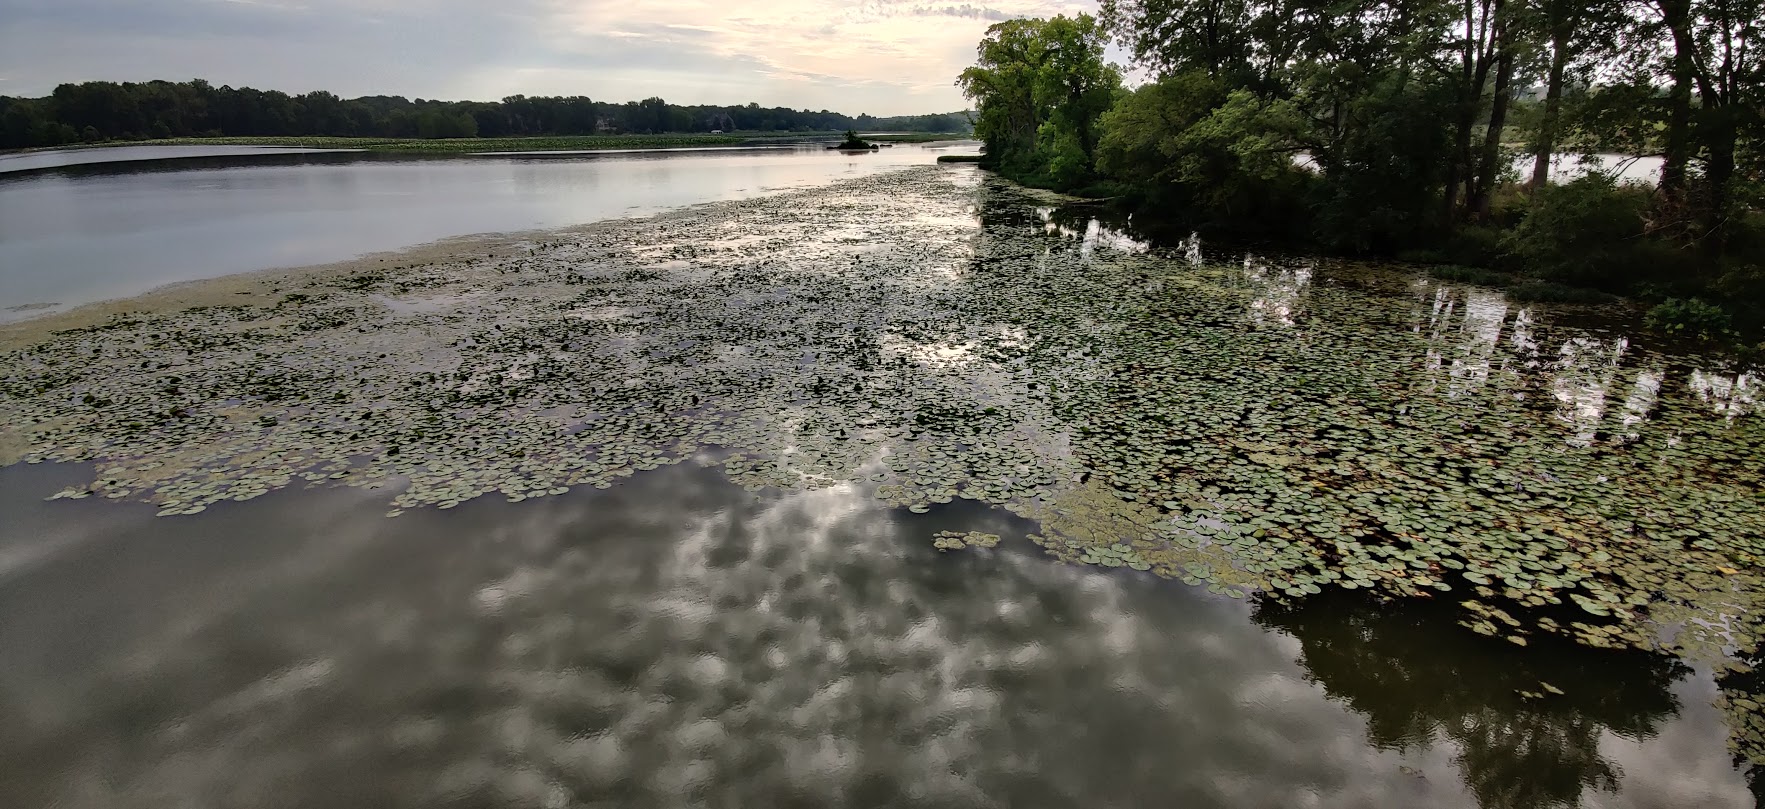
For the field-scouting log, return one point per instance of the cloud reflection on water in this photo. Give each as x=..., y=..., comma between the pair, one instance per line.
x=675, y=641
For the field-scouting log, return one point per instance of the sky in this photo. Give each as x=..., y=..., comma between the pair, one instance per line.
x=883, y=57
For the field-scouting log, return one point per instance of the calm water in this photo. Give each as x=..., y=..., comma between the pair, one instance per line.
x=91, y=232
x=68, y=158
x=678, y=641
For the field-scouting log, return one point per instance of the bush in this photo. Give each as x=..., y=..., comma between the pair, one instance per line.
x=1380, y=186
x=1743, y=289
x=1586, y=232
x=1474, y=245
x=1552, y=292
x=1689, y=317
x=1195, y=150
x=1468, y=275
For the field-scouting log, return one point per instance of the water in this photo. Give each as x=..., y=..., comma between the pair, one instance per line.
x=99, y=155
x=1566, y=167
x=678, y=641
x=92, y=232
x=725, y=439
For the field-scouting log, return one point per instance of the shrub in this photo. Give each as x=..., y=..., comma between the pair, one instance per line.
x=1581, y=233
x=1743, y=290
x=1690, y=317
x=1468, y=275
x=1552, y=292
x=1474, y=245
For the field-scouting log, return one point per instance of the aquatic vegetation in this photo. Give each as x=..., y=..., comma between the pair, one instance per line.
x=1694, y=318
x=957, y=540
x=1244, y=423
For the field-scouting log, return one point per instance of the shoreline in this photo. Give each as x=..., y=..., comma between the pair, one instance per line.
x=265, y=285
x=486, y=145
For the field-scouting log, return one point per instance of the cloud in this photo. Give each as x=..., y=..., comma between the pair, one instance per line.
x=968, y=11
x=879, y=56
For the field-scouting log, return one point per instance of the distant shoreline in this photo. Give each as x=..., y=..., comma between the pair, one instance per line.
x=558, y=143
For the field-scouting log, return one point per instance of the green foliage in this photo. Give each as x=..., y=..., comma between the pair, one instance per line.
x=1741, y=286
x=1466, y=246
x=1140, y=133
x=1405, y=116
x=1238, y=42
x=1224, y=156
x=1587, y=232
x=1469, y=275
x=1691, y=317
x=1551, y=292
x=1039, y=87
x=105, y=111
x=1384, y=172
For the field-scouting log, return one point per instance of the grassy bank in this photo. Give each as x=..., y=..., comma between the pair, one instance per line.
x=548, y=144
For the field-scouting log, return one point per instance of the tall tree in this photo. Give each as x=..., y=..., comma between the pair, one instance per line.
x=1039, y=87
x=1474, y=47
x=1506, y=42
x=1575, y=35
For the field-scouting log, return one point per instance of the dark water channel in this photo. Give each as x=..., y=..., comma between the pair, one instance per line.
x=679, y=641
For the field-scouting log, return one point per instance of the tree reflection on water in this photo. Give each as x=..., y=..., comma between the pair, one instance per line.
x=1418, y=679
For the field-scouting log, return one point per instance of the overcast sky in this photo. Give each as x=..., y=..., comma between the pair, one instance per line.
x=884, y=57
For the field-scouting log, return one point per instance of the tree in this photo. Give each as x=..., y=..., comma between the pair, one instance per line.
x=1576, y=34
x=1243, y=43
x=1039, y=87
x=127, y=110
x=1190, y=142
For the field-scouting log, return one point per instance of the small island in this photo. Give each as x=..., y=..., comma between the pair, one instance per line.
x=853, y=143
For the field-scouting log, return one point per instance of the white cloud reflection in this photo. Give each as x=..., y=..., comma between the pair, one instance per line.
x=675, y=642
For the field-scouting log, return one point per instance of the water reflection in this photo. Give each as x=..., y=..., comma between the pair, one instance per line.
x=1518, y=742
x=1585, y=369
x=1474, y=337
x=1091, y=232
x=1601, y=387
x=1277, y=292
x=1743, y=701
x=1645, y=391
x=677, y=641
x=1727, y=396
x=674, y=641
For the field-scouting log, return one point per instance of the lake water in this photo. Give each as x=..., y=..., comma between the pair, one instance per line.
x=72, y=232
x=679, y=641
x=906, y=489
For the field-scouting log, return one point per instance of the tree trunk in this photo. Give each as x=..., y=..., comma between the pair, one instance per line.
x=1553, y=110
x=1719, y=172
x=1677, y=14
x=1460, y=169
x=1490, y=170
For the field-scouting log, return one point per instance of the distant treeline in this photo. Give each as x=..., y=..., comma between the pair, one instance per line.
x=102, y=110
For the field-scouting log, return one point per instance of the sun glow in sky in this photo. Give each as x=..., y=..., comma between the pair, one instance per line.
x=884, y=57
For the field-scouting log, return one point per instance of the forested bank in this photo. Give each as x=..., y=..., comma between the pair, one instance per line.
x=1389, y=127
x=108, y=111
